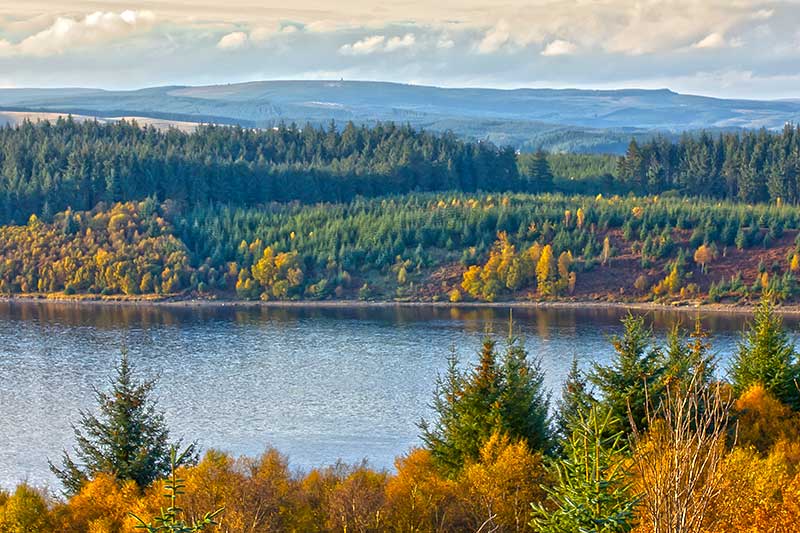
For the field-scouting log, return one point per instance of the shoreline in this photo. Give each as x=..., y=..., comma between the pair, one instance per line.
x=183, y=303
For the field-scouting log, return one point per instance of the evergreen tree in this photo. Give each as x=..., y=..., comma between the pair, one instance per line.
x=688, y=360
x=576, y=400
x=767, y=357
x=129, y=439
x=524, y=404
x=592, y=493
x=505, y=397
x=538, y=172
x=634, y=376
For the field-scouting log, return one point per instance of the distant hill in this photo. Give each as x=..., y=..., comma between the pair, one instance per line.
x=558, y=120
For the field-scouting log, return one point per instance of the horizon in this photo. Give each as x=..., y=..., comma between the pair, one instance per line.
x=748, y=50
x=409, y=84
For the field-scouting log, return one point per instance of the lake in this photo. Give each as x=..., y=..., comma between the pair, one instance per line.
x=320, y=384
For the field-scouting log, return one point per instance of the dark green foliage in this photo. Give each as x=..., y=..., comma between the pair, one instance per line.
x=536, y=170
x=687, y=359
x=753, y=166
x=47, y=167
x=129, y=439
x=503, y=396
x=633, y=378
x=592, y=493
x=576, y=399
x=767, y=357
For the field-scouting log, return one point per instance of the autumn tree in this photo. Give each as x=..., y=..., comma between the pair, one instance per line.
x=171, y=518
x=679, y=460
x=546, y=271
x=704, y=255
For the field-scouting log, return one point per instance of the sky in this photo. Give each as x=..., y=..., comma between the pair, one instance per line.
x=726, y=48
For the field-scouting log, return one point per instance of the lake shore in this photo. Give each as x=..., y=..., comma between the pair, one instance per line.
x=186, y=302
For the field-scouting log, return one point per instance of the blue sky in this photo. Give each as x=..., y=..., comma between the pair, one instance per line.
x=733, y=48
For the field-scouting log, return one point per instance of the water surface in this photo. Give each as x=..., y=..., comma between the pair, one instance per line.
x=320, y=384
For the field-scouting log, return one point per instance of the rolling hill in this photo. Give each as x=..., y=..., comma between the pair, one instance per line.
x=559, y=120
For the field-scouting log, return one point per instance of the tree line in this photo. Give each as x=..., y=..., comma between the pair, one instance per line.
x=751, y=166
x=47, y=167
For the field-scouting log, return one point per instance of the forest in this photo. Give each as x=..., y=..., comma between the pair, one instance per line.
x=419, y=247
x=654, y=440
x=47, y=167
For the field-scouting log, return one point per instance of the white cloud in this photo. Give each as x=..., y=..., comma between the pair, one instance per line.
x=445, y=42
x=495, y=38
x=366, y=46
x=559, y=47
x=233, y=41
x=399, y=43
x=763, y=14
x=261, y=33
x=712, y=40
x=66, y=33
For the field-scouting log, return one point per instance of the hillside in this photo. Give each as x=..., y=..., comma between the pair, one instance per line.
x=558, y=120
x=427, y=247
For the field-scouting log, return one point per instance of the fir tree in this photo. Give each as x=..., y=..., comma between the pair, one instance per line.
x=129, y=439
x=634, y=376
x=505, y=397
x=767, y=357
x=576, y=400
x=592, y=493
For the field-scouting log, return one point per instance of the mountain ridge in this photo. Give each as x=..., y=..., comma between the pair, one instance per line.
x=526, y=118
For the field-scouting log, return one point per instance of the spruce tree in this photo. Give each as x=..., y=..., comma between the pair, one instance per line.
x=767, y=357
x=592, y=493
x=634, y=376
x=497, y=396
x=576, y=400
x=129, y=439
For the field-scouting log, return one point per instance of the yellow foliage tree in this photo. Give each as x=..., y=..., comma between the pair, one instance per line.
x=764, y=420
x=419, y=498
x=704, y=255
x=545, y=271
x=502, y=485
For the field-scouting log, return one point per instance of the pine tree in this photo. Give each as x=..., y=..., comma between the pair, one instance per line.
x=129, y=439
x=592, y=493
x=523, y=402
x=767, y=357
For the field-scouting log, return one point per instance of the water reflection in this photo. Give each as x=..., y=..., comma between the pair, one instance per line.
x=112, y=316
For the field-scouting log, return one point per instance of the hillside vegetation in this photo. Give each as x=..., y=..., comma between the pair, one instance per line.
x=306, y=213
x=422, y=247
